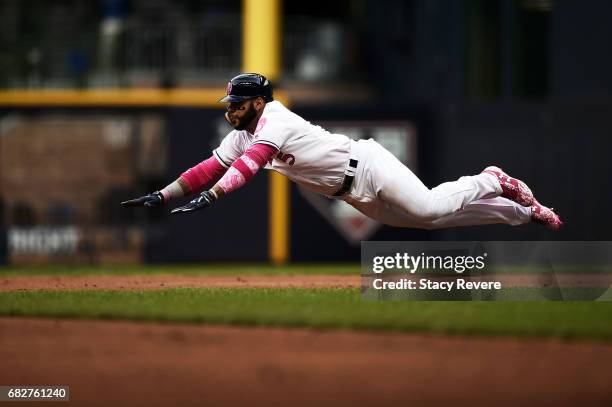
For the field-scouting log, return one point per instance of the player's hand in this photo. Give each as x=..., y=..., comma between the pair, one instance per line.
x=153, y=199
x=205, y=200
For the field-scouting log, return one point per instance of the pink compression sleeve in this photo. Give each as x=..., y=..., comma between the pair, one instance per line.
x=208, y=170
x=245, y=167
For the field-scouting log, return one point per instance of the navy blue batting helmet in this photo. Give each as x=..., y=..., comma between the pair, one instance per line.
x=248, y=86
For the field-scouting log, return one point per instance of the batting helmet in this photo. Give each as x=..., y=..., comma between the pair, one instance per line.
x=248, y=86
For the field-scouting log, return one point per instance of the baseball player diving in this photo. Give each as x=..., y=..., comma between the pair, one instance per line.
x=362, y=173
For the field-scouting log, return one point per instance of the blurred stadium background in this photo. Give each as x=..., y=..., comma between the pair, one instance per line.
x=104, y=100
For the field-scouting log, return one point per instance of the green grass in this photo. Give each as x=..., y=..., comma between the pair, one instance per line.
x=320, y=308
x=208, y=269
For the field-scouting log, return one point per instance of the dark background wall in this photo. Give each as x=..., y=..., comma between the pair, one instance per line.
x=236, y=229
x=560, y=149
x=580, y=51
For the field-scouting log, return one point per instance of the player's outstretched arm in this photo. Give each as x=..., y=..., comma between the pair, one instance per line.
x=191, y=181
x=241, y=171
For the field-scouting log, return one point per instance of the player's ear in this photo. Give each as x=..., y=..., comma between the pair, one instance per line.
x=259, y=103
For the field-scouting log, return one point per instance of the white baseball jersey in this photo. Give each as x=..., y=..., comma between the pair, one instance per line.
x=308, y=154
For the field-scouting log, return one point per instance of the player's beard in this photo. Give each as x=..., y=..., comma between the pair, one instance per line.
x=248, y=117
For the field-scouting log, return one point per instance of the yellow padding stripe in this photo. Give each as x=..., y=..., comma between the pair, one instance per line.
x=279, y=218
x=113, y=97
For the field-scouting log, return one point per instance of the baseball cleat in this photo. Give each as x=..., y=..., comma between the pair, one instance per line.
x=512, y=188
x=545, y=216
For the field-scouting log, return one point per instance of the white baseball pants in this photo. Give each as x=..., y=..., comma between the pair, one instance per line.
x=386, y=190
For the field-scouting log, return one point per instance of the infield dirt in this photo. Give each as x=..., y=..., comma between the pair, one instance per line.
x=137, y=363
x=140, y=282
x=128, y=363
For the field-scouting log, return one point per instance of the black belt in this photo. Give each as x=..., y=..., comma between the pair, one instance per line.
x=349, y=176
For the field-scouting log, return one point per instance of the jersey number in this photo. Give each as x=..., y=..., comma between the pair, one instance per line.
x=286, y=158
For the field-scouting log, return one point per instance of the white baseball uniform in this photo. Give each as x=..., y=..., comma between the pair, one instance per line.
x=383, y=188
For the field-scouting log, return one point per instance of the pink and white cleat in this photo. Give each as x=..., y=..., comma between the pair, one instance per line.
x=545, y=216
x=512, y=188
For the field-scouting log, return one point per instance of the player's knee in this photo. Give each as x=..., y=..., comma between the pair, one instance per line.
x=425, y=209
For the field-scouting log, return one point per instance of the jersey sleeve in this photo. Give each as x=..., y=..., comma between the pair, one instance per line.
x=229, y=150
x=271, y=132
x=245, y=167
